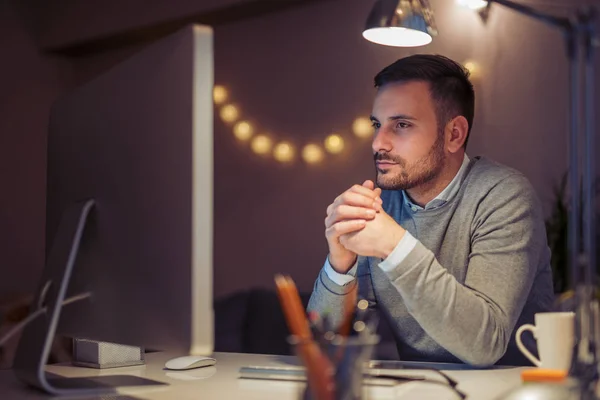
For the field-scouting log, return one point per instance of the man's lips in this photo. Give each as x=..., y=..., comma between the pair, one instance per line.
x=384, y=163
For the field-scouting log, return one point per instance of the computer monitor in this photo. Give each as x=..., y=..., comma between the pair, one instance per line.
x=130, y=206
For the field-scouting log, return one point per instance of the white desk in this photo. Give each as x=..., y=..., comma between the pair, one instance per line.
x=221, y=382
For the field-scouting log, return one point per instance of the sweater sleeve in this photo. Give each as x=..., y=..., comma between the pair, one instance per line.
x=474, y=321
x=328, y=296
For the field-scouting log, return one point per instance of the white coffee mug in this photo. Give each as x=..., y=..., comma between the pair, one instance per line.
x=554, y=332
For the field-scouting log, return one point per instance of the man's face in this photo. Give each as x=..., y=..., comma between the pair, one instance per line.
x=408, y=147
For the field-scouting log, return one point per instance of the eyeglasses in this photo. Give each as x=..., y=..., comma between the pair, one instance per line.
x=449, y=382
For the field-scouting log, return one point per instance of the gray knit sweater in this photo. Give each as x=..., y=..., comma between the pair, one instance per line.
x=480, y=269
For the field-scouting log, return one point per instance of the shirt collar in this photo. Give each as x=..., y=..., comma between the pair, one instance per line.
x=445, y=195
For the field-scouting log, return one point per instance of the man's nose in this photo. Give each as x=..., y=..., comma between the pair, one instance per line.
x=382, y=141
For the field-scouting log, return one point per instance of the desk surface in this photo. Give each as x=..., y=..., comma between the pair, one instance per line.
x=221, y=381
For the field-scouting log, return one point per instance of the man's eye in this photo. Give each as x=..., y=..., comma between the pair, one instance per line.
x=376, y=125
x=403, y=125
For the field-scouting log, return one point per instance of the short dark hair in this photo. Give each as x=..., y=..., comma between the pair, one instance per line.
x=449, y=84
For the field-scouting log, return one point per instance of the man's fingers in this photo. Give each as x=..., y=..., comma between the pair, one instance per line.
x=375, y=191
x=378, y=199
x=343, y=227
x=352, y=198
x=366, y=196
x=345, y=212
x=365, y=191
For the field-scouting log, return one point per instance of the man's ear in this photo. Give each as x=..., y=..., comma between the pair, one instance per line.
x=457, y=130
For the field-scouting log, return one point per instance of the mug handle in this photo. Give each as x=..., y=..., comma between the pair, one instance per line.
x=523, y=328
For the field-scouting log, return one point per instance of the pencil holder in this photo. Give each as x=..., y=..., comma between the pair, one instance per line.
x=335, y=366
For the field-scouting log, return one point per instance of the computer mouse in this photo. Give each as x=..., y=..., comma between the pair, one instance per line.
x=192, y=374
x=189, y=362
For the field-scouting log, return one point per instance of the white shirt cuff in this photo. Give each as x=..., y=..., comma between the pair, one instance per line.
x=340, y=279
x=404, y=246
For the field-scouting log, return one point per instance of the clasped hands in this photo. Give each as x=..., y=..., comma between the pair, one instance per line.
x=357, y=225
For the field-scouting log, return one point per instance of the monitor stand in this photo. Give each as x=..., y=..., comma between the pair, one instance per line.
x=36, y=341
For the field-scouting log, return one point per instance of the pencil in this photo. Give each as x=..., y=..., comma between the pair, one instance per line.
x=319, y=370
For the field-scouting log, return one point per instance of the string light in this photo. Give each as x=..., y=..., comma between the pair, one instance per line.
x=362, y=127
x=284, y=152
x=261, y=144
x=229, y=113
x=243, y=130
x=473, y=69
x=311, y=153
x=219, y=94
x=334, y=144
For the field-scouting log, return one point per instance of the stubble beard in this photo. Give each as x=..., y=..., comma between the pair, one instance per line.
x=415, y=174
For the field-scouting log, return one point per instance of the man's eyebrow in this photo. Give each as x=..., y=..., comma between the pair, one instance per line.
x=395, y=118
x=401, y=116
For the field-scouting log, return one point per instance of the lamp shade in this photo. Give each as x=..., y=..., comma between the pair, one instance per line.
x=403, y=23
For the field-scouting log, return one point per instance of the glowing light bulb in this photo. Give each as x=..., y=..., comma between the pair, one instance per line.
x=311, y=153
x=243, y=130
x=219, y=94
x=362, y=127
x=334, y=144
x=261, y=144
x=230, y=113
x=284, y=152
x=473, y=68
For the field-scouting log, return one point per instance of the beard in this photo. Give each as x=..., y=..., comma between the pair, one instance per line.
x=417, y=173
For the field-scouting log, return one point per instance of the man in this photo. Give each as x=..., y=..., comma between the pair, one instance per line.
x=452, y=251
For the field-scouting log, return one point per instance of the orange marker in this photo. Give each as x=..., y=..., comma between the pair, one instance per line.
x=543, y=375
